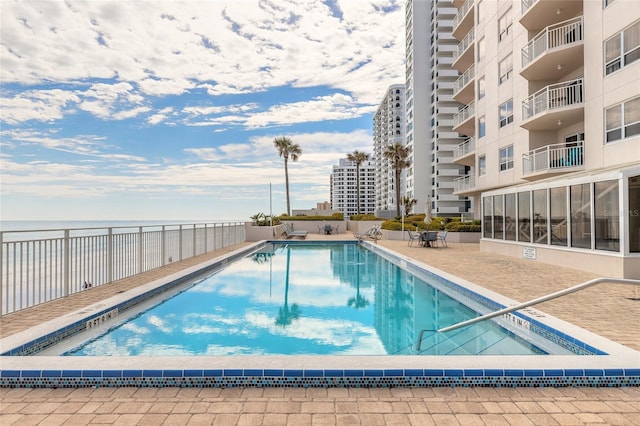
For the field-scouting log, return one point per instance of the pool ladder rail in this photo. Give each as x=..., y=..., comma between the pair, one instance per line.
x=532, y=302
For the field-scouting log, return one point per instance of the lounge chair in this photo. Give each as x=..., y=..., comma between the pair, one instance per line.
x=373, y=233
x=288, y=232
x=443, y=238
x=413, y=237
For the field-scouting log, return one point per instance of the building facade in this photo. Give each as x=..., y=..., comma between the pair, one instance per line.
x=388, y=129
x=430, y=108
x=344, y=190
x=551, y=115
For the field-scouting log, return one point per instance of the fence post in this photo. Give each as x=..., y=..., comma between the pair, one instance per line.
x=206, y=237
x=180, y=243
x=163, y=249
x=194, y=239
x=140, y=251
x=110, y=255
x=67, y=259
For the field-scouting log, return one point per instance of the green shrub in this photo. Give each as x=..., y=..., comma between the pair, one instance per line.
x=261, y=219
x=462, y=227
x=364, y=217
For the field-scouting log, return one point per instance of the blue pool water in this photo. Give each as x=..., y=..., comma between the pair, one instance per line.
x=323, y=299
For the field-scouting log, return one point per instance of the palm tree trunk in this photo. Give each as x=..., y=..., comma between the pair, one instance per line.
x=286, y=183
x=397, y=191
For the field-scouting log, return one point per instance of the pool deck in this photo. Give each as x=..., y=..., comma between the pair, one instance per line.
x=611, y=311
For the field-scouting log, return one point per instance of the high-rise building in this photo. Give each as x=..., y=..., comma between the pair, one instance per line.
x=551, y=115
x=388, y=129
x=430, y=107
x=344, y=187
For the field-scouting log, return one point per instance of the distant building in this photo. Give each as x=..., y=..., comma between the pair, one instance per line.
x=322, y=209
x=344, y=191
x=430, y=107
x=388, y=129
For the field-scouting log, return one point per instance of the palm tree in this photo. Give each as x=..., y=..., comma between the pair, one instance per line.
x=286, y=315
x=358, y=158
x=398, y=155
x=287, y=149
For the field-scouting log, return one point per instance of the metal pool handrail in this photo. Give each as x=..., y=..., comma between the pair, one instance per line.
x=536, y=301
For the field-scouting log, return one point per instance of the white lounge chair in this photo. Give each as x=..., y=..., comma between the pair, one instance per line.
x=288, y=232
x=373, y=233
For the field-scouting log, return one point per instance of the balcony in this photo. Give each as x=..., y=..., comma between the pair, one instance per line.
x=555, y=105
x=463, y=88
x=463, y=21
x=464, y=153
x=464, y=184
x=555, y=51
x=538, y=14
x=463, y=120
x=463, y=56
x=552, y=160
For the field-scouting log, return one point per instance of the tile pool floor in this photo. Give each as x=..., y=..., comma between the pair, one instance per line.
x=609, y=311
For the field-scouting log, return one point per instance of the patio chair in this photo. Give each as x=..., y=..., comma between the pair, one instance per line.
x=443, y=238
x=413, y=237
x=373, y=233
x=288, y=232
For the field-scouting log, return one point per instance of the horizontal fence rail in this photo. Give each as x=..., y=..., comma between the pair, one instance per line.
x=37, y=266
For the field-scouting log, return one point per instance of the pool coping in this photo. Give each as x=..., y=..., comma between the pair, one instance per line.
x=621, y=367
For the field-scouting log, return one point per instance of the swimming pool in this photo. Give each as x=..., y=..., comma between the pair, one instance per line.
x=309, y=299
x=613, y=364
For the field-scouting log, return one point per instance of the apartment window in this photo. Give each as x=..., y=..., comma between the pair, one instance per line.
x=482, y=165
x=607, y=210
x=481, y=127
x=540, y=216
x=607, y=3
x=623, y=120
x=481, y=88
x=505, y=68
x=524, y=216
x=498, y=217
x=558, y=218
x=506, y=113
x=487, y=222
x=480, y=50
x=580, y=211
x=504, y=25
x=510, y=217
x=622, y=49
x=506, y=158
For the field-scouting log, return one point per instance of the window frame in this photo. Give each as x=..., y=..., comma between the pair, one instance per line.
x=482, y=127
x=621, y=127
x=481, y=85
x=506, y=74
x=504, y=31
x=505, y=120
x=506, y=158
x=482, y=165
x=622, y=51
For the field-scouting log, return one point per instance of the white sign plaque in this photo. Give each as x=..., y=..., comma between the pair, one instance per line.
x=529, y=253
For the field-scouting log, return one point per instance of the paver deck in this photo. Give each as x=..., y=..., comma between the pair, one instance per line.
x=612, y=311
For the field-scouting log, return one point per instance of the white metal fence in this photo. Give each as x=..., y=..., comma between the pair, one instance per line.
x=41, y=265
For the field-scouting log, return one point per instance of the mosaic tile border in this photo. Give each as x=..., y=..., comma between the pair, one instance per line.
x=562, y=339
x=321, y=378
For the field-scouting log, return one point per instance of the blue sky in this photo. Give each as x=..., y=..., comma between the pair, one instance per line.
x=167, y=110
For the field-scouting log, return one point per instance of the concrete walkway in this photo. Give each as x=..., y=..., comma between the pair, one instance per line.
x=611, y=311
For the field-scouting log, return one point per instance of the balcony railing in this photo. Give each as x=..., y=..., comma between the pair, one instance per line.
x=462, y=12
x=552, y=97
x=464, y=79
x=463, y=184
x=464, y=114
x=553, y=157
x=526, y=4
x=464, y=148
x=557, y=35
x=463, y=45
